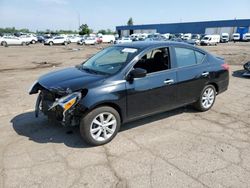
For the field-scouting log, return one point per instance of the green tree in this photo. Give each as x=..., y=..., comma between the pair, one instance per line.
x=84, y=29
x=102, y=31
x=130, y=21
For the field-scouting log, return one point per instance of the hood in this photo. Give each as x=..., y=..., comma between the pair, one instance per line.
x=68, y=79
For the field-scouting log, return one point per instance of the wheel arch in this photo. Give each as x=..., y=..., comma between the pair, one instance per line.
x=215, y=86
x=109, y=104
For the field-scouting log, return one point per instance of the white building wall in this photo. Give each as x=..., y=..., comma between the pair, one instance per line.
x=124, y=33
x=220, y=30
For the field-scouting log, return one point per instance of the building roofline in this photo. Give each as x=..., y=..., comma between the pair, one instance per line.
x=183, y=23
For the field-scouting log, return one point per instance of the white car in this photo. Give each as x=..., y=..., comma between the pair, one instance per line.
x=12, y=40
x=246, y=37
x=56, y=40
x=107, y=38
x=236, y=37
x=187, y=36
x=210, y=40
x=124, y=40
x=29, y=38
x=74, y=39
x=90, y=41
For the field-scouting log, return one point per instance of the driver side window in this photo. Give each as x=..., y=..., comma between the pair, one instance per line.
x=155, y=61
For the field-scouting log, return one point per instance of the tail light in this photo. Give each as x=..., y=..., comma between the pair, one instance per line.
x=225, y=66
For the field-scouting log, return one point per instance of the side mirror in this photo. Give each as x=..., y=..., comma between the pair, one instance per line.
x=136, y=73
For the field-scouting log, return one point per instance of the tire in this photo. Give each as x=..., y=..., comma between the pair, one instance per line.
x=4, y=44
x=51, y=43
x=97, y=137
x=205, y=95
x=33, y=42
x=23, y=44
x=65, y=43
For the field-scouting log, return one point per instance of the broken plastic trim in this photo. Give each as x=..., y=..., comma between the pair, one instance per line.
x=67, y=102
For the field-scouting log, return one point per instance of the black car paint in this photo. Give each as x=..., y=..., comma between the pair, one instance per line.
x=142, y=96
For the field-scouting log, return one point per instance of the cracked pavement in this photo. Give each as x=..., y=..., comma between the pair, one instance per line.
x=180, y=148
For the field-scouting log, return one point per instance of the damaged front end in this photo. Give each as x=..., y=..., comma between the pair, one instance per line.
x=59, y=104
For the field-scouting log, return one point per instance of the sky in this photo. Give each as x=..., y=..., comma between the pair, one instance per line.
x=106, y=14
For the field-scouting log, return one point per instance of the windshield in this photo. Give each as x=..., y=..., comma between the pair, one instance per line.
x=206, y=38
x=110, y=60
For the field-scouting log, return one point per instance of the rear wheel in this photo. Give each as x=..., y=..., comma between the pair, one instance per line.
x=206, y=99
x=65, y=43
x=4, y=44
x=33, y=41
x=51, y=43
x=100, y=125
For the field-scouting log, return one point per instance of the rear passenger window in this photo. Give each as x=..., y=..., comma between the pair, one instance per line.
x=199, y=57
x=187, y=57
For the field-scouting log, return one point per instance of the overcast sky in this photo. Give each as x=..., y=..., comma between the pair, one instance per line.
x=104, y=14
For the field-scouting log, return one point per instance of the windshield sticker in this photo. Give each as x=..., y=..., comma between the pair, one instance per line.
x=129, y=50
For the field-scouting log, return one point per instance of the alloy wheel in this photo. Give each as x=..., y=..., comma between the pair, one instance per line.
x=208, y=98
x=103, y=126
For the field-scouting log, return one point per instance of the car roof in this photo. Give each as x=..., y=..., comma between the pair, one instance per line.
x=147, y=44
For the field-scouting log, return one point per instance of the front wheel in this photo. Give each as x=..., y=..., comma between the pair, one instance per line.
x=206, y=99
x=100, y=125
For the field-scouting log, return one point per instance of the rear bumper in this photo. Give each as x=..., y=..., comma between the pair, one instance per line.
x=222, y=86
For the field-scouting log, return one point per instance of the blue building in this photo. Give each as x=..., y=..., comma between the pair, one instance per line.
x=209, y=27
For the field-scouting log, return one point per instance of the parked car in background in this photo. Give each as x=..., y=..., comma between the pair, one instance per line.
x=196, y=38
x=246, y=37
x=236, y=37
x=123, y=40
x=74, y=39
x=187, y=36
x=178, y=35
x=126, y=82
x=12, y=40
x=224, y=37
x=247, y=69
x=58, y=40
x=81, y=41
x=143, y=36
x=32, y=39
x=134, y=37
x=166, y=36
x=210, y=40
x=42, y=38
x=107, y=38
x=90, y=41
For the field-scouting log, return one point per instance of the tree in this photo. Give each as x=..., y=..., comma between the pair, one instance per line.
x=106, y=32
x=84, y=29
x=130, y=21
x=102, y=31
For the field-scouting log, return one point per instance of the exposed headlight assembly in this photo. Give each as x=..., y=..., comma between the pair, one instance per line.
x=68, y=101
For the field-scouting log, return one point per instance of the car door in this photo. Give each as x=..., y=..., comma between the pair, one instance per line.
x=58, y=40
x=11, y=40
x=154, y=93
x=193, y=74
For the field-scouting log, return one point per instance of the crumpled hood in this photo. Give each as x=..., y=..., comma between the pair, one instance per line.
x=69, y=78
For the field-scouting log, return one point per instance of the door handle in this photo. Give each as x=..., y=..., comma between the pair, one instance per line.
x=168, y=82
x=205, y=74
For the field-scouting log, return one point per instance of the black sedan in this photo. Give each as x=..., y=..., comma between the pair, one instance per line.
x=130, y=81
